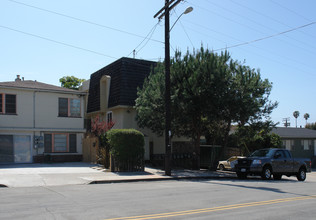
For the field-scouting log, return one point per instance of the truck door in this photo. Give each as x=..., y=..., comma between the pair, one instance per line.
x=279, y=162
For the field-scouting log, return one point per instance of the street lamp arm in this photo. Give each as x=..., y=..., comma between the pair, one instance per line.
x=188, y=10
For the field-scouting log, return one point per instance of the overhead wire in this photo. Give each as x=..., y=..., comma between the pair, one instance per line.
x=148, y=37
x=57, y=42
x=257, y=23
x=267, y=37
x=82, y=20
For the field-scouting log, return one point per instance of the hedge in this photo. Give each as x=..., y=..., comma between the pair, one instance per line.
x=127, y=149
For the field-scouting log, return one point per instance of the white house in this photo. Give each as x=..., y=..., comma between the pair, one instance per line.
x=40, y=122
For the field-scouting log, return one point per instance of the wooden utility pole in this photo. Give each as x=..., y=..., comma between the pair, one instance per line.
x=164, y=12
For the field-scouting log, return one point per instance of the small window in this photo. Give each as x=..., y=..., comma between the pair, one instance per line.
x=1, y=103
x=109, y=117
x=306, y=144
x=69, y=107
x=10, y=104
x=7, y=104
x=288, y=144
x=60, y=143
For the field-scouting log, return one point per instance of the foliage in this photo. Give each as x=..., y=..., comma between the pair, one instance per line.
x=257, y=136
x=207, y=90
x=306, y=116
x=71, y=82
x=127, y=147
x=296, y=114
x=311, y=126
x=99, y=129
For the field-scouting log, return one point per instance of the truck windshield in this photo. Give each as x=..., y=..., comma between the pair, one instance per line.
x=262, y=153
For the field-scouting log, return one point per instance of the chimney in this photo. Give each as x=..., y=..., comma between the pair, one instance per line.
x=17, y=78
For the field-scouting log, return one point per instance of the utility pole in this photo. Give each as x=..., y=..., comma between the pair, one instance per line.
x=286, y=123
x=165, y=12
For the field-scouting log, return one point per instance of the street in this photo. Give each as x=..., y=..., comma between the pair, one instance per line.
x=252, y=198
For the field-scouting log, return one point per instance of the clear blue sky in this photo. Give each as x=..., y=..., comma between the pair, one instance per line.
x=45, y=40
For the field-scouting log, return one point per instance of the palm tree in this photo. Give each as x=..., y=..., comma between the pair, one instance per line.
x=296, y=114
x=306, y=116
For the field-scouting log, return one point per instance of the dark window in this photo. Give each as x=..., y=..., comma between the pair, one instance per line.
x=47, y=143
x=69, y=107
x=72, y=143
x=63, y=107
x=1, y=103
x=6, y=149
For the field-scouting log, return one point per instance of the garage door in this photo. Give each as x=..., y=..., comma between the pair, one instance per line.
x=15, y=148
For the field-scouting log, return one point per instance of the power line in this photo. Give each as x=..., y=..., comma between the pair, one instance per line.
x=57, y=42
x=148, y=37
x=267, y=37
x=82, y=20
x=294, y=12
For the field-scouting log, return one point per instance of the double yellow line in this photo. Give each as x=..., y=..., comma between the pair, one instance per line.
x=220, y=208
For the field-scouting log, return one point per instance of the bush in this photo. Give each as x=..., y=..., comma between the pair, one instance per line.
x=127, y=148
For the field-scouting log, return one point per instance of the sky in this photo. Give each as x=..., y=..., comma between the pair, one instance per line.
x=45, y=40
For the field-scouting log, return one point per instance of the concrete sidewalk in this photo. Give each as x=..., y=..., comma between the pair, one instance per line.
x=56, y=174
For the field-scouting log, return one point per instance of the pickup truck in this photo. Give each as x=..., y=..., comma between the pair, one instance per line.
x=273, y=162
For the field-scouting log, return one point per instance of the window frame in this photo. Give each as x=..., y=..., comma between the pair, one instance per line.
x=71, y=145
x=69, y=108
x=4, y=104
x=109, y=117
x=53, y=143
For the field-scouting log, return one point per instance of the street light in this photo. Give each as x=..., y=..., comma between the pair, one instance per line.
x=187, y=11
x=167, y=8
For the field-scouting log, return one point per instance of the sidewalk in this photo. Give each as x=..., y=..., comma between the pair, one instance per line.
x=30, y=175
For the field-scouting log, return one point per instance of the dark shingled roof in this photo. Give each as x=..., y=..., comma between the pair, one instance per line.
x=34, y=85
x=126, y=76
x=294, y=132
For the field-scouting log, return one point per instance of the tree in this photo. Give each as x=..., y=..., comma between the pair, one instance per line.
x=296, y=114
x=311, y=126
x=71, y=82
x=306, y=116
x=206, y=89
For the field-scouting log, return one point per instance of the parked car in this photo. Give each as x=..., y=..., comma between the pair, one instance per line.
x=228, y=164
x=273, y=162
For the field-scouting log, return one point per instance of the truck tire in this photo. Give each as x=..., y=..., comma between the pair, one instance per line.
x=301, y=175
x=241, y=175
x=266, y=173
x=277, y=176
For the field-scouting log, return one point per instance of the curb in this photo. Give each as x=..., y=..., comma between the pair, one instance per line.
x=159, y=179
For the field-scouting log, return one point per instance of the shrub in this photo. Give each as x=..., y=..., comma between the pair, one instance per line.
x=127, y=148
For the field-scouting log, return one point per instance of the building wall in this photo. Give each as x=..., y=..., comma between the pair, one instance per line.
x=37, y=114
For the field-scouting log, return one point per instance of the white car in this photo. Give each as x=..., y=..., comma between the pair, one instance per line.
x=228, y=164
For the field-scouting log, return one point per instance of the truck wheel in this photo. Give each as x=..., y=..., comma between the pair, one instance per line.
x=301, y=175
x=221, y=167
x=266, y=173
x=277, y=177
x=241, y=175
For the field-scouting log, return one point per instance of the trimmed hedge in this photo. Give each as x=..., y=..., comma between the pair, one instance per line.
x=127, y=149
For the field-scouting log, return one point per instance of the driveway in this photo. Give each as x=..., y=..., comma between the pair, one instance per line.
x=26, y=175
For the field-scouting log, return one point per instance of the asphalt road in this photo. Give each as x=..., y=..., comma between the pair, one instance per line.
x=198, y=199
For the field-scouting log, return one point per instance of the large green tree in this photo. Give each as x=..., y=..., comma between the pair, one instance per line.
x=206, y=89
x=71, y=82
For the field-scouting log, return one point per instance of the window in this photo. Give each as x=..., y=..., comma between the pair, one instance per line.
x=57, y=142
x=109, y=117
x=7, y=104
x=288, y=144
x=69, y=107
x=306, y=144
